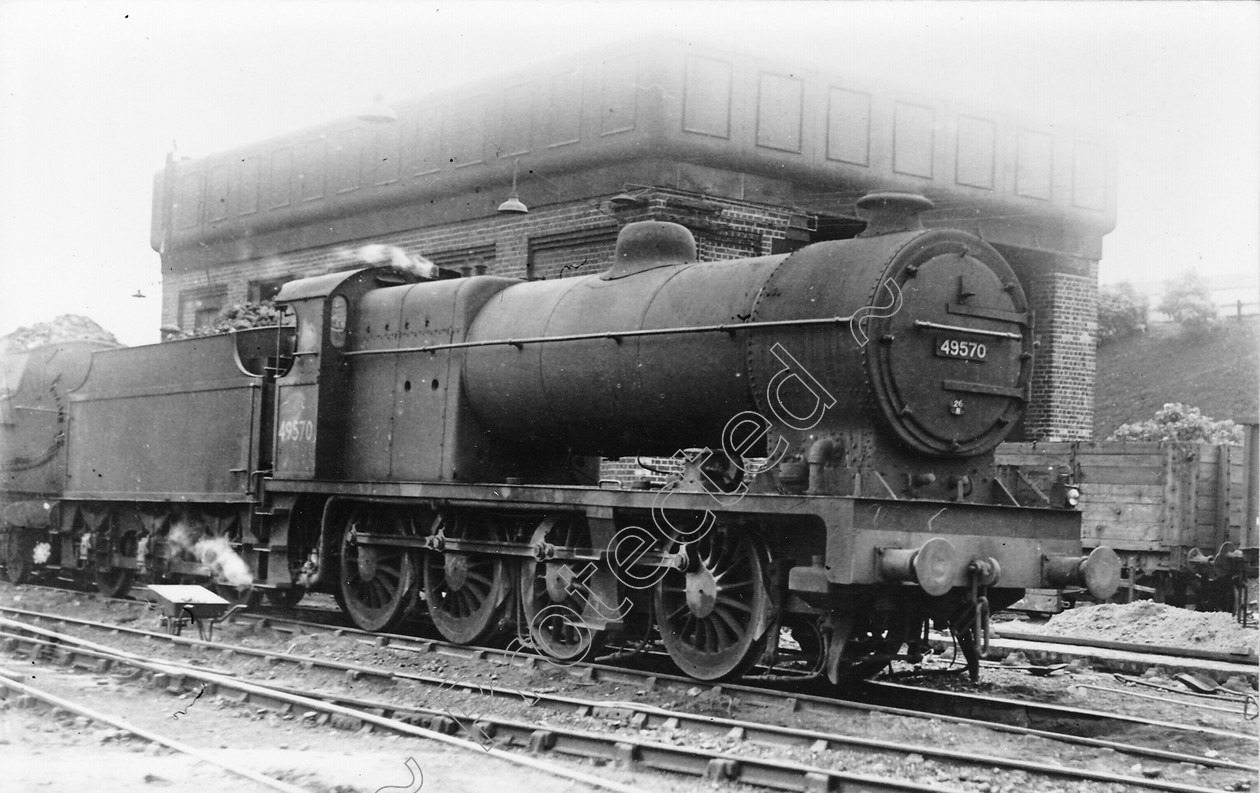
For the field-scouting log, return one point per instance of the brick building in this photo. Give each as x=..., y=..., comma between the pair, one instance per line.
x=755, y=157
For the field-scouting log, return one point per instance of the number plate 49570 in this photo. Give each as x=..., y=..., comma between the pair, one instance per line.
x=961, y=349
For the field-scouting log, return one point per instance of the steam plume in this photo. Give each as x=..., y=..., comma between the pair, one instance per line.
x=398, y=259
x=214, y=552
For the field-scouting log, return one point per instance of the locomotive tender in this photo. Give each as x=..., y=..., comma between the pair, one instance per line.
x=434, y=445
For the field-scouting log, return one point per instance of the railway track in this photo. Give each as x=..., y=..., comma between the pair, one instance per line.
x=25, y=695
x=1008, y=715
x=742, y=765
x=491, y=734
x=1023, y=716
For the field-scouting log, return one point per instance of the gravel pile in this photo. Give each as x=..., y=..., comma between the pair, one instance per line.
x=1147, y=622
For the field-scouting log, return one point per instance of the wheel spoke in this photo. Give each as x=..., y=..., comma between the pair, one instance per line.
x=673, y=615
x=735, y=603
x=689, y=628
x=725, y=617
x=711, y=641
x=723, y=643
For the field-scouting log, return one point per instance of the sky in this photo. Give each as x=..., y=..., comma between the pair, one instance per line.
x=94, y=94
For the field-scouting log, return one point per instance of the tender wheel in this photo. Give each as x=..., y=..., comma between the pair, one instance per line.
x=465, y=592
x=553, y=601
x=713, y=618
x=378, y=583
x=115, y=582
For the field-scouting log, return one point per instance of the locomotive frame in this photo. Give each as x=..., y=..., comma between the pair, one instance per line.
x=436, y=442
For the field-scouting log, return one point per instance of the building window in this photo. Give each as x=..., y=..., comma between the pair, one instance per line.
x=262, y=291
x=476, y=260
x=571, y=253
x=199, y=307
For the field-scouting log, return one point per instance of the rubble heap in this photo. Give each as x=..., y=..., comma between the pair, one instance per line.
x=1148, y=622
x=67, y=327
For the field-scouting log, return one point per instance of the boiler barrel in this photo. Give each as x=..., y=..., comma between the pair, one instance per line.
x=923, y=333
x=645, y=394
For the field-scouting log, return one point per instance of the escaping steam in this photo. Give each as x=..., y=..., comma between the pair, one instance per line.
x=398, y=259
x=214, y=552
x=217, y=554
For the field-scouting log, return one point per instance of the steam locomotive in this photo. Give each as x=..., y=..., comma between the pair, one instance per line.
x=433, y=446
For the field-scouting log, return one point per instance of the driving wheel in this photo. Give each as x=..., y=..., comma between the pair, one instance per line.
x=465, y=593
x=378, y=582
x=713, y=618
x=556, y=593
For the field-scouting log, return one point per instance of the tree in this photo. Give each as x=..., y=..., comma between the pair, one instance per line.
x=1177, y=422
x=1188, y=301
x=1121, y=311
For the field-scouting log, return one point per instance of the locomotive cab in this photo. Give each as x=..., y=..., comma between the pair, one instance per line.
x=312, y=396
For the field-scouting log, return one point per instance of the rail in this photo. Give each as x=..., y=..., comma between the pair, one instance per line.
x=118, y=723
x=645, y=717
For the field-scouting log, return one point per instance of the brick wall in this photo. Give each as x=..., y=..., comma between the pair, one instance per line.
x=630, y=470
x=1066, y=305
x=556, y=241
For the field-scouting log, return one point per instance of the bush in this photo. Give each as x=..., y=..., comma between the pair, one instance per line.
x=1121, y=311
x=1176, y=422
x=1188, y=301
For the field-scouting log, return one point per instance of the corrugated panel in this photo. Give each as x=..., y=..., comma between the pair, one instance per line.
x=1089, y=176
x=563, y=122
x=913, y=139
x=516, y=135
x=619, y=95
x=280, y=178
x=465, y=132
x=424, y=142
x=977, y=152
x=707, y=97
x=1034, y=165
x=247, y=195
x=383, y=153
x=849, y=126
x=218, y=188
x=345, y=154
x=718, y=110
x=311, y=170
x=779, y=112
x=188, y=193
